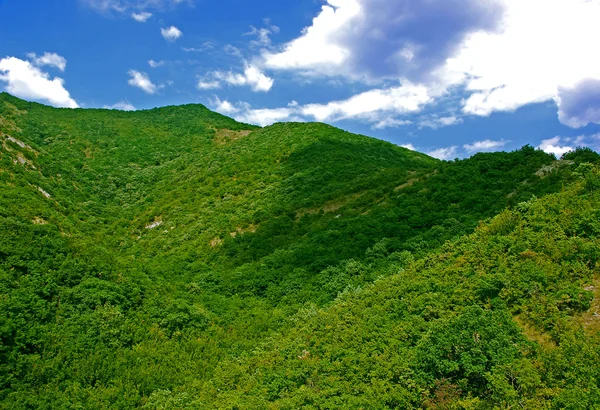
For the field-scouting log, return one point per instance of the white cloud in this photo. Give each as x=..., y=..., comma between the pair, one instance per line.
x=121, y=105
x=266, y=116
x=443, y=153
x=409, y=146
x=366, y=39
x=579, y=105
x=390, y=123
x=586, y=140
x=484, y=146
x=372, y=104
x=171, y=33
x=208, y=85
x=317, y=47
x=551, y=146
x=498, y=55
x=503, y=54
x=224, y=107
x=107, y=5
x=141, y=17
x=207, y=45
x=377, y=39
x=123, y=6
x=141, y=80
x=262, y=35
x=439, y=122
x=243, y=112
x=232, y=50
x=156, y=64
x=49, y=59
x=26, y=81
x=533, y=62
x=252, y=77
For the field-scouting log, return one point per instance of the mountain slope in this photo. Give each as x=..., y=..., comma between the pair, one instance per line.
x=140, y=251
x=496, y=319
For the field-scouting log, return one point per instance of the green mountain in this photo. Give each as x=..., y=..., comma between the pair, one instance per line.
x=175, y=258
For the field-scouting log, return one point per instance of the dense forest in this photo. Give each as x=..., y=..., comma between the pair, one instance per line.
x=174, y=258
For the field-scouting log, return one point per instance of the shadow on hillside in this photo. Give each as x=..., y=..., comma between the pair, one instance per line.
x=326, y=208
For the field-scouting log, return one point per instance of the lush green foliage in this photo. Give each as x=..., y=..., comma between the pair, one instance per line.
x=145, y=257
x=500, y=318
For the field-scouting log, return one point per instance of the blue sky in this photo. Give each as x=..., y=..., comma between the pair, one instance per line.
x=445, y=77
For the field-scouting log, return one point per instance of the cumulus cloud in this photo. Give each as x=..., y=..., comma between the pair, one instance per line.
x=375, y=40
x=252, y=77
x=376, y=106
x=552, y=146
x=580, y=105
x=409, y=146
x=266, y=116
x=49, y=59
x=317, y=49
x=525, y=64
x=27, y=81
x=142, y=81
x=498, y=55
x=224, y=106
x=171, y=33
x=244, y=112
x=373, y=104
x=141, y=17
x=445, y=153
x=385, y=38
x=484, y=146
x=379, y=106
x=121, y=105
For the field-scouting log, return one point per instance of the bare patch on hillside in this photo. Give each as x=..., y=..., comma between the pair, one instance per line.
x=39, y=221
x=240, y=231
x=8, y=124
x=591, y=318
x=20, y=159
x=18, y=142
x=414, y=179
x=407, y=184
x=216, y=242
x=157, y=222
x=46, y=194
x=224, y=136
x=88, y=152
x=546, y=170
x=14, y=110
x=328, y=207
x=16, y=150
x=534, y=335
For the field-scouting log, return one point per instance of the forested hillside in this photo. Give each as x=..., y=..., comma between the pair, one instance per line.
x=505, y=317
x=175, y=258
